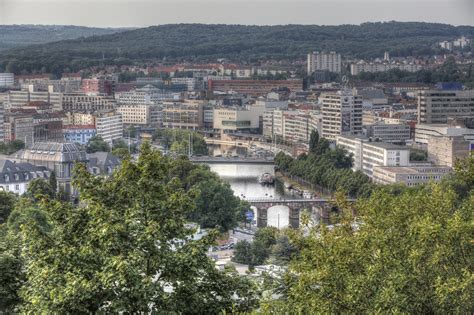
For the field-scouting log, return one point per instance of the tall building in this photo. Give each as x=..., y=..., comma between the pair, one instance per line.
x=324, y=61
x=19, y=126
x=291, y=125
x=138, y=114
x=16, y=99
x=436, y=106
x=109, y=125
x=341, y=114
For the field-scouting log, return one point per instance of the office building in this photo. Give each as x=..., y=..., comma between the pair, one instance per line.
x=109, y=125
x=409, y=175
x=254, y=87
x=394, y=133
x=246, y=119
x=451, y=129
x=145, y=95
x=436, y=106
x=187, y=114
x=98, y=86
x=17, y=99
x=321, y=61
x=19, y=126
x=136, y=114
x=293, y=126
x=341, y=114
x=367, y=154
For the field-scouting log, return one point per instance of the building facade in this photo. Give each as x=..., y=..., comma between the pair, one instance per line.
x=184, y=115
x=409, y=175
x=109, y=125
x=341, y=114
x=7, y=79
x=436, y=106
x=80, y=102
x=15, y=177
x=80, y=134
x=368, y=154
x=394, y=133
x=254, y=87
x=446, y=150
x=321, y=61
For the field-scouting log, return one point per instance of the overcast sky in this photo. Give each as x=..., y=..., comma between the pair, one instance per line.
x=114, y=13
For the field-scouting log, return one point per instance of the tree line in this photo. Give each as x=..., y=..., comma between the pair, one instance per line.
x=238, y=43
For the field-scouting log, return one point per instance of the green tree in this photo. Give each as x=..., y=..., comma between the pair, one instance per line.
x=126, y=249
x=313, y=140
x=121, y=152
x=38, y=189
x=243, y=253
x=97, y=144
x=405, y=253
x=53, y=183
x=7, y=202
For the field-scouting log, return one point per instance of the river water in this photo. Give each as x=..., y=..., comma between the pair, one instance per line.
x=243, y=181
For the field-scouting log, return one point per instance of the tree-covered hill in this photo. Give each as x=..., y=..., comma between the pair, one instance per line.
x=15, y=36
x=201, y=42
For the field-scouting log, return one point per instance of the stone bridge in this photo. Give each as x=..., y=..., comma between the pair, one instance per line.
x=319, y=206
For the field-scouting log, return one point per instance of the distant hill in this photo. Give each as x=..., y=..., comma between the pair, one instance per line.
x=200, y=43
x=14, y=36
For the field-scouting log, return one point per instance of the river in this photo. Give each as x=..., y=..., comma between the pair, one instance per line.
x=243, y=181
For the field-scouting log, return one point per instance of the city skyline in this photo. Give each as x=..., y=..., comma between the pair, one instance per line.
x=107, y=13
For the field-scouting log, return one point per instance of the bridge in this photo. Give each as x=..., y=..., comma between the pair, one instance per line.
x=320, y=206
x=231, y=160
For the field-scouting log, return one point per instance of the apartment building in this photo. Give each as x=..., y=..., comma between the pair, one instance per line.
x=145, y=95
x=16, y=99
x=291, y=125
x=187, y=114
x=80, y=102
x=77, y=118
x=322, y=61
x=367, y=154
x=393, y=133
x=341, y=114
x=19, y=126
x=2, y=122
x=7, y=79
x=254, y=87
x=98, y=86
x=109, y=125
x=436, y=106
x=446, y=150
x=363, y=66
x=79, y=133
x=15, y=177
x=409, y=175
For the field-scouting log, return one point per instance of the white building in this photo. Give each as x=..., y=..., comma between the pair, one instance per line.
x=237, y=118
x=291, y=125
x=7, y=79
x=394, y=133
x=409, y=175
x=462, y=42
x=16, y=99
x=363, y=66
x=424, y=131
x=109, y=125
x=139, y=114
x=321, y=61
x=15, y=177
x=341, y=114
x=368, y=154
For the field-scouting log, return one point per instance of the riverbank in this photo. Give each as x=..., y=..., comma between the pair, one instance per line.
x=301, y=184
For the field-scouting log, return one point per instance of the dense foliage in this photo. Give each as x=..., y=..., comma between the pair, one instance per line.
x=126, y=248
x=11, y=147
x=327, y=168
x=199, y=42
x=14, y=36
x=97, y=144
x=409, y=253
x=449, y=71
x=177, y=141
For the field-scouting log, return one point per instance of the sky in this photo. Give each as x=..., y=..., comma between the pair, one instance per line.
x=139, y=13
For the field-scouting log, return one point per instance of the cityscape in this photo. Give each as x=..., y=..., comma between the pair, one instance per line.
x=211, y=168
